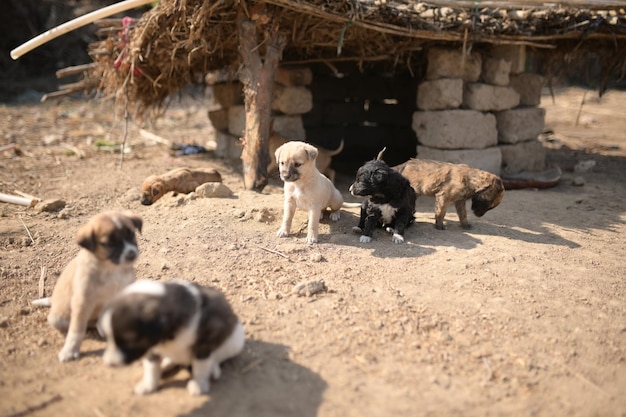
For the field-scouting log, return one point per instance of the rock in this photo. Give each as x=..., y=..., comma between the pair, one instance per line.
x=50, y=205
x=578, y=181
x=264, y=215
x=309, y=288
x=316, y=257
x=213, y=190
x=585, y=166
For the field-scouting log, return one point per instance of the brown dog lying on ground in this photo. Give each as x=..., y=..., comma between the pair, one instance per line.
x=179, y=180
x=453, y=183
x=102, y=268
x=323, y=161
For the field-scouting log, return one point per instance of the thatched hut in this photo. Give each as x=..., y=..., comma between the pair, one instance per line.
x=360, y=63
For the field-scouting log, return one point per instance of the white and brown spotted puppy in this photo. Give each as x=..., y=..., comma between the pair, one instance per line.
x=305, y=188
x=454, y=184
x=102, y=268
x=176, y=322
x=179, y=180
x=322, y=162
x=390, y=201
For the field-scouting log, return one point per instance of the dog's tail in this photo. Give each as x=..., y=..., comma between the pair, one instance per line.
x=380, y=154
x=42, y=302
x=338, y=150
x=350, y=205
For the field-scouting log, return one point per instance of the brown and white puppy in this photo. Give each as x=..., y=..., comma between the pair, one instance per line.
x=322, y=162
x=305, y=188
x=171, y=323
x=179, y=180
x=453, y=183
x=102, y=268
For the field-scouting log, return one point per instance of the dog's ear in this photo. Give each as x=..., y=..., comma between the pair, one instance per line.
x=86, y=238
x=380, y=175
x=311, y=151
x=136, y=221
x=277, y=153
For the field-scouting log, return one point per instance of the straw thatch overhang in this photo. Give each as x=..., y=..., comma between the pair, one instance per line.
x=143, y=62
x=177, y=40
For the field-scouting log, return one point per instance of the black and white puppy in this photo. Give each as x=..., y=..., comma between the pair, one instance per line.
x=391, y=202
x=171, y=323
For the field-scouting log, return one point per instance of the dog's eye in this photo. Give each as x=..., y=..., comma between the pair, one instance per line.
x=155, y=191
x=297, y=164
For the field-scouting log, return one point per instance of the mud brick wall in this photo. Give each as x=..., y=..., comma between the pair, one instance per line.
x=480, y=110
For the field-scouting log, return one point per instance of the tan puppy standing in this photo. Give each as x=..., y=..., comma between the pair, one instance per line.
x=322, y=162
x=305, y=188
x=453, y=183
x=102, y=268
x=179, y=180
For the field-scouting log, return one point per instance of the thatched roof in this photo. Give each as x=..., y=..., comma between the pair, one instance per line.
x=146, y=60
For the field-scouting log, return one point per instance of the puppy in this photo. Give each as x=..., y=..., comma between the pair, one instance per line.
x=454, y=183
x=102, y=268
x=176, y=322
x=305, y=188
x=179, y=180
x=390, y=202
x=322, y=162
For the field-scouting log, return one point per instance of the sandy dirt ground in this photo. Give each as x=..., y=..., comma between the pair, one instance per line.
x=523, y=315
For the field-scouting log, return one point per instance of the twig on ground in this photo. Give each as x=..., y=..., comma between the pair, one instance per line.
x=273, y=251
x=27, y=231
x=42, y=282
x=37, y=407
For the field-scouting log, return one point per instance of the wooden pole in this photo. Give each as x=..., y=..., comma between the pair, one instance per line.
x=257, y=76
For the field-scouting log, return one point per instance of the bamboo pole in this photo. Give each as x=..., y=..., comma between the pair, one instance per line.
x=74, y=24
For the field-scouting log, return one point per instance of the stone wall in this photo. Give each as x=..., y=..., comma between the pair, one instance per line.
x=481, y=110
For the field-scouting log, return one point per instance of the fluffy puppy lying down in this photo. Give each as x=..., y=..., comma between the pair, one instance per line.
x=102, y=268
x=390, y=202
x=453, y=183
x=179, y=180
x=176, y=322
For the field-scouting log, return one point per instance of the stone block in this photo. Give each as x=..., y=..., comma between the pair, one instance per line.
x=228, y=94
x=488, y=159
x=523, y=156
x=293, y=76
x=515, y=54
x=219, y=119
x=446, y=63
x=496, y=71
x=455, y=129
x=237, y=120
x=520, y=125
x=227, y=146
x=290, y=127
x=292, y=100
x=528, y=86
x=445, y=93
x=484, y=97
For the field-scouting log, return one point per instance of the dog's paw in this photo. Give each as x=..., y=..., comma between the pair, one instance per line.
x=365, y=239
x=440, y=227
x=467, y=226
x=282, y=232
x=216, y=372
x=357, y=229
x=196, y=387
x=311, y=239
x=144, y=388
x=66, y=355
x=335, y=215
x=390, y=229
x=397, y=238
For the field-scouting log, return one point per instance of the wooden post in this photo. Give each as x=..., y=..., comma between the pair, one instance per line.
x=257, y=76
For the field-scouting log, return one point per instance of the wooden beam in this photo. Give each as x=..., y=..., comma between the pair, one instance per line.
x=257, y=75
